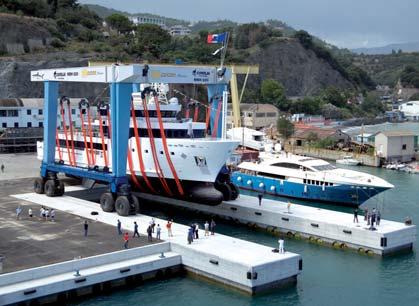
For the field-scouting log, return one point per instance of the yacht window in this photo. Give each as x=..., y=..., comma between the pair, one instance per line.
x=324, y=167
x=287, y=165
x=276, y=176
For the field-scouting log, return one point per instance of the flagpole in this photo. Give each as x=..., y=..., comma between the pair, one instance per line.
x=225, y=43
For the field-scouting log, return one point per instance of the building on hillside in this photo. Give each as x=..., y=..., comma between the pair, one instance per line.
x=145, y=19
x=303, y=136
x=179, y=30
x=255, y=116
x=395, y=146
x=28, y=113
x=365, y=138
x=410, y=110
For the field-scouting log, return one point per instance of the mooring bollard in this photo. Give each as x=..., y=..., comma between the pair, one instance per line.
x=162, y=255
x=281, y=243
x=77, y=273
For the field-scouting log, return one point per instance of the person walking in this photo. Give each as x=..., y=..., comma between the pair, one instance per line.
x=86, y=228
x=366, y=214
x=196, y=228
x=119, y=226
x=46, y=214
x=212, y=227
x=18, y=212
x=42, y=213
x=206, y=227
x=289, y=207
x=378, y=218
x=158, y=232
x=126, y=240
x=356, y=215
x=152, y=224
x=190, y=235
x=260, y=197
x=149, y=233
x=373, y=217
x=169, y=228
x=52, y=215
x=30, y=213
x=136, y=230
x=2, y=168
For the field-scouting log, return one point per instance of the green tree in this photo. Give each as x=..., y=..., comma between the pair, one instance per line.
x=285, y=127
x=372, y=104
x=119, y=22
x=305, y=39
x=273, y=92
x=151, y=39
x=333, y=96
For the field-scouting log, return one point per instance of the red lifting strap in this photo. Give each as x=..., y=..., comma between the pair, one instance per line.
x=207, y=118
x=83, y=130
x=166, y=150
x=60, y=154
x=153, y=149
x=89, y=123
x=102, y=138
x=65, y=134
x=131, y=170
x=139, y=152
x=217, y=117
x=195, y=116
x=73, y=155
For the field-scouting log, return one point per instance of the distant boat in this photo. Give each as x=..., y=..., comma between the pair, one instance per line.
x=348, y=160
x=308, y=178
x=249, y=138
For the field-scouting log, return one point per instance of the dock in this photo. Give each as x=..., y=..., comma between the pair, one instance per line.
x=247, y=266
x=321, y=226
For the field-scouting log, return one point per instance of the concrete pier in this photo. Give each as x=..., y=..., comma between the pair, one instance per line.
x=320, y=226
x=244, y=265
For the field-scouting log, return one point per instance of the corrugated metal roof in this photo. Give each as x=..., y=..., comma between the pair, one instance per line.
x=397, y=133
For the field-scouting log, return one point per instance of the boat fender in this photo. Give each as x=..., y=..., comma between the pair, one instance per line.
x=281, y=182
x=290, y=234
x=369, y=252
x=343, y=246
x=336, y=244
x=272, y=188
x=305, y=188
x=249, y=182
x=361, y=250
x=261, y=185
x=323, y=187
x=239, y=179
x=319, y=241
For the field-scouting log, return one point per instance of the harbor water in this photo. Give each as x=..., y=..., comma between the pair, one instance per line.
x=329, y=277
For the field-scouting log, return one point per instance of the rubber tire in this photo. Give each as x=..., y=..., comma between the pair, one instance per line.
x=107, y=202
x=136, y=204
x=122, y=206
x=60, y=189
x=38, y=185
x=226, y=191
x=50, y=188
x=234, y=191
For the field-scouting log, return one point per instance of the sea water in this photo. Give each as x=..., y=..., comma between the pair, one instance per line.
x=329, y=276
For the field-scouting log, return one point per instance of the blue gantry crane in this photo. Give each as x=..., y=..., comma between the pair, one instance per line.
x=123, y=80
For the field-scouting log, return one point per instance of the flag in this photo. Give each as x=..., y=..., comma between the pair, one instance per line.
x=216, y=38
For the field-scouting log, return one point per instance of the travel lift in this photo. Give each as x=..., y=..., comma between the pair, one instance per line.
x=123, y=80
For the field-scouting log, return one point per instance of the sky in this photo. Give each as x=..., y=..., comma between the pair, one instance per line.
x=344, y=23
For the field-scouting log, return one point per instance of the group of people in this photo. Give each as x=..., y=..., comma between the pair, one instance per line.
x=44, y=213
x=371, y=217
x=193, y=230
x=151, y=229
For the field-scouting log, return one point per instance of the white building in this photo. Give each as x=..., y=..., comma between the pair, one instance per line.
x=27, y=113
x=144, y=19
x=410, y=110
x=395, y=146
x=179, y=30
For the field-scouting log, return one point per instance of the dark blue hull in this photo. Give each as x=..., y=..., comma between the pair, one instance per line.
x=346, y=195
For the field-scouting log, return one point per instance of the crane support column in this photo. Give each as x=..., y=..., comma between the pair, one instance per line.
x=215, y=96
x=120, y=107
x=50, y=124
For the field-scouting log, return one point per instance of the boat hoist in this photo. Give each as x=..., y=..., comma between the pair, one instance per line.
x=114, y=127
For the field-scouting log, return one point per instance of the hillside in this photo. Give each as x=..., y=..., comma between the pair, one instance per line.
x=389, y=49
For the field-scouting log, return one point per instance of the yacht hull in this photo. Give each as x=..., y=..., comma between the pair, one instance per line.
x=345, y=195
